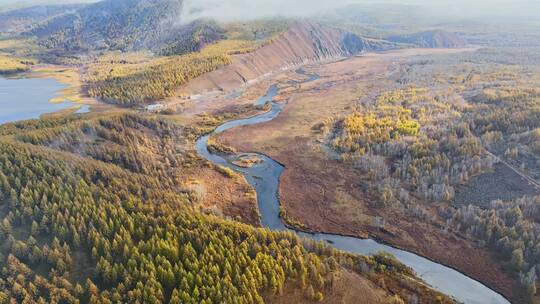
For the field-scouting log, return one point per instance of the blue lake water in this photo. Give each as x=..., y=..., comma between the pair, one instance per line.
x=28, y=98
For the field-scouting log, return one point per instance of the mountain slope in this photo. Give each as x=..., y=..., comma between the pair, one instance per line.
x=431, y=39
x=304, y=42
x=18, y=20
x=222, y=66
x=126, y=25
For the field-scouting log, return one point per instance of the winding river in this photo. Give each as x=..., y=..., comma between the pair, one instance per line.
x=264, y=177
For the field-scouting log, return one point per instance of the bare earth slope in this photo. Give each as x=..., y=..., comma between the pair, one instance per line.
x=302, y=43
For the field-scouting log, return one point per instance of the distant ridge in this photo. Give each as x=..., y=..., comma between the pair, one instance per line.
x=431, y=39
x=18, y=20
x=127, y=25
x=304, y=42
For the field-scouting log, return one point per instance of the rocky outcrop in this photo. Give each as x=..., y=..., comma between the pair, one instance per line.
x=303, y=43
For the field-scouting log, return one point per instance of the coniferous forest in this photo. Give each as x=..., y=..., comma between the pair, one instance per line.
x=83, y=223
x=193, y=151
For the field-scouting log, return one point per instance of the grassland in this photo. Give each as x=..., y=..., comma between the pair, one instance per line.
x=69, y=76
x=18, y=46
x=12, y=65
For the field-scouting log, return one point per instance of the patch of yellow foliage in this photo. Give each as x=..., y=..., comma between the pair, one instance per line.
x=10, y=65
x=371, y=127
x=232, y=47
x=135, y=81
x=409, y=94
x=397, y=114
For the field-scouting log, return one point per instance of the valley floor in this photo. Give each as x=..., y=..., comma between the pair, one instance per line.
x=323, y=194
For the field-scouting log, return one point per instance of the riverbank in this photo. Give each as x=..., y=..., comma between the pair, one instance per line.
x=266, y=179
x=325, y=195
x=69, y=76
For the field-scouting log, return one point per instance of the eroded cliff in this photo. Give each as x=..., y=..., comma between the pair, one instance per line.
x=303, y=43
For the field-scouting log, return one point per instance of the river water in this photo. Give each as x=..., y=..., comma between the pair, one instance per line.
x=264, y=177
x=28, y=98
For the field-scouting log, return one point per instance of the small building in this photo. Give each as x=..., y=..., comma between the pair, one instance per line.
x=154, y=107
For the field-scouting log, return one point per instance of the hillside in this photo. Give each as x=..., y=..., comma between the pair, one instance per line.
x=431, y=39
x=222, y=66
x=18, y=20
x=126, y=25
x=304, y=42
x=105, y=209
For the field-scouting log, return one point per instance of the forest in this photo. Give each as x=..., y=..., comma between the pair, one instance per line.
x=445, y=123
x=149, y=81
x=91, y=215
x=138, y=78
x=116, y=205
x=509, y=228
x=430, y=148
x=503, y=101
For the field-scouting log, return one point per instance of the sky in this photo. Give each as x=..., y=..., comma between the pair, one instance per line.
x=252, y=9
x=226, y=10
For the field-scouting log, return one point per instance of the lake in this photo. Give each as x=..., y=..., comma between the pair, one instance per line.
x=28, y=98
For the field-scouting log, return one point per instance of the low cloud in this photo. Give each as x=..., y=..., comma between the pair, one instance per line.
x=231, y=10
x=234, y=10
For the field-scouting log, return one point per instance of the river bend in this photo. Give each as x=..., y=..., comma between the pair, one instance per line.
x=264, y=177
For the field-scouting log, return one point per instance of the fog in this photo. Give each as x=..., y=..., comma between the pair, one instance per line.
x=231, y=10
x=227, y=10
